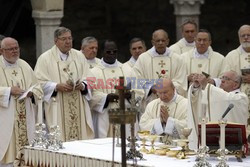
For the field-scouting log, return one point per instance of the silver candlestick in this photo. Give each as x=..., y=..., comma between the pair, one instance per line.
x=40, y=140
x=222, y=151
x=54, y=138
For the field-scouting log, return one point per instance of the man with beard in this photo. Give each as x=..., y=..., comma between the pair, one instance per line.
x=239, y=59
x=207, y=100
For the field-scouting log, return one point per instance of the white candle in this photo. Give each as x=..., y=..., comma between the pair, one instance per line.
x=54, y=110
x=203, y=132
x=40, y=110
x=222, y=134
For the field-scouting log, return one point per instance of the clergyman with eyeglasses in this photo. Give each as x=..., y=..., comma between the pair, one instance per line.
x=62, y=71
x=205, y=99
x=17, y=116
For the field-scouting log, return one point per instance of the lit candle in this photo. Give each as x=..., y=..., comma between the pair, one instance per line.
x=203, y=132
x=222, y=134
x=54, y=110
x=40, y=110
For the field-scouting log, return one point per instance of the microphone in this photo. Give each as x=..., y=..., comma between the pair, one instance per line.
x=227, y=110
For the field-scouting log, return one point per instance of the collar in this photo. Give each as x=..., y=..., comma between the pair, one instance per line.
x=187, y=43
x=91, y=61
x=115, y=64
x=63, y=56
x=200, y=56
x=242, y=50
x=155, y=54
x=7, y=64
x=132, y=60
x=236, y=91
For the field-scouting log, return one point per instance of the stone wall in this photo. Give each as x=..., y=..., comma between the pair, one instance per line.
x=122, y=20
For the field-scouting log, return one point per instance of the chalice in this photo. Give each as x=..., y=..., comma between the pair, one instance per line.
x=143, y=135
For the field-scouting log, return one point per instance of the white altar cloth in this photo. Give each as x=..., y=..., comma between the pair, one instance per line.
x=98, y=153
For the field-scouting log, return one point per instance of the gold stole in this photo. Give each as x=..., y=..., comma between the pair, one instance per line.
x=71, y=115
x=14, y=77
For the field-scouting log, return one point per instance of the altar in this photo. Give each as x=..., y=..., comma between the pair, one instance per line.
x=98, y=153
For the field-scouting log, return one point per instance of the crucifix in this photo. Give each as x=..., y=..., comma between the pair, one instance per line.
x=162, y=63
x=14, y=72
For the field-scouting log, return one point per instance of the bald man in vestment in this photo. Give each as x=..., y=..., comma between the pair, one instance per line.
x=167, y=114
x=17, y=116
x=156, y=63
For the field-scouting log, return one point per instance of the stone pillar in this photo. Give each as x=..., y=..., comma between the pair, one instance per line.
x=185, y=9
x=46, y=23
x=47, y=15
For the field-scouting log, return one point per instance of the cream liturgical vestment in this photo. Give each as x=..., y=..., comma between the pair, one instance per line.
x=17, y=116
x=93, y=62
x=213, y=102
x=211, y=62
x=150, y=67
x=73, y=112
x=182, y=46
x=106, y=77
x=177, y=110
x=127, y=67
x=236, y=60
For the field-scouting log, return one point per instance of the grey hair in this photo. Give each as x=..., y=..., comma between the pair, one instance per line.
x=189, y=21
x=237, y=77
x=87, y=40
x=60, y=30
x=134, y=40
x=243, y=26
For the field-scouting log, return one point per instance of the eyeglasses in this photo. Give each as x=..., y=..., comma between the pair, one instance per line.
x=11, y=49
x=245, y=35
x=227, y=79
x=111, y=51
x=65, y=38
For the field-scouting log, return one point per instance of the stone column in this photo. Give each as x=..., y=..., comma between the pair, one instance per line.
x=185, y=9
x=47, y=15
x=46, y=23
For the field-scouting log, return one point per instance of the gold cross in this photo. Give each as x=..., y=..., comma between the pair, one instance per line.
x=113, y=71
x=91, y=66
x=199, y=65
x=162, y=63
x=14, y=73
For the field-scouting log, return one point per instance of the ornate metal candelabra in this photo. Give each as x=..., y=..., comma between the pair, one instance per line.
x=123, y=117
x=54, y=142
x=40, y=140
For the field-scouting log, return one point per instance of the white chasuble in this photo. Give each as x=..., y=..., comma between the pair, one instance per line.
x=104, y=81
x=150, y=67
x=177, y=110
x=212, y=65
x=73, y=112
x=17, y=117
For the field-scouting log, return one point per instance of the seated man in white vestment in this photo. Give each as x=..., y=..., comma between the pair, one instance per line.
x=167, y=114
x=207, y=100
x=106, y=77
x=136, y=47
x=202, y=58
x=239, y=59
x=62, y=71
x=89, y=48
x=189, y=31
x=17, y=116
x=158, y=62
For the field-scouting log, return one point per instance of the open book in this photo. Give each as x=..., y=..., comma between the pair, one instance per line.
x=245, y=71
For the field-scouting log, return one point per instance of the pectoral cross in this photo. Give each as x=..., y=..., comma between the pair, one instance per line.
x=113, y=71
x=248, y=58
x=199, y=65
x=162, y=63
x=14, y=73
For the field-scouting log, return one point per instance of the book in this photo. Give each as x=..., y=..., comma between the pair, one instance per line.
x=245, y=71
x=235, y=137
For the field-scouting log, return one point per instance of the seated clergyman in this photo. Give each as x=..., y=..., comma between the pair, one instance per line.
x=165, y=115
x=206, y=100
